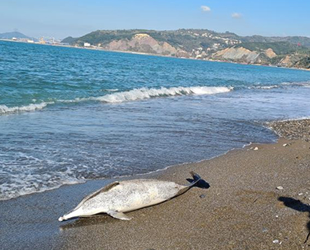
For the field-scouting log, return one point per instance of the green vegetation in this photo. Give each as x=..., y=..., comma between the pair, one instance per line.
x=204, y=44
x=303, y=63
x=280, y=48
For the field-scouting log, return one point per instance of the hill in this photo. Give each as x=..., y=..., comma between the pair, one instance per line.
x=10, y=35
x=203, y=44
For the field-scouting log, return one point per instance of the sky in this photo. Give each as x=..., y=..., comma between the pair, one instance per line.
x=62, y=18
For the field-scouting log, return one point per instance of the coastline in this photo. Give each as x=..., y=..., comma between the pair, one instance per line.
x=242, y=209
x=148, y=54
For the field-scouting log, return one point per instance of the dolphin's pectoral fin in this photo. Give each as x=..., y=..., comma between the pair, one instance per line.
x=118, y=215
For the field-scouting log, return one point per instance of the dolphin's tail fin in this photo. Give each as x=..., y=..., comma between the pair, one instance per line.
x=197, y=181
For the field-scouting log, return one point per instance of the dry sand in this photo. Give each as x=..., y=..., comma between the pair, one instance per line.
x=243, y=208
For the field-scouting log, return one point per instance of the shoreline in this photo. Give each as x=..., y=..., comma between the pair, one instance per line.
x=154, y=173
x=242, y=208
x=267, y=125
x=148, y=54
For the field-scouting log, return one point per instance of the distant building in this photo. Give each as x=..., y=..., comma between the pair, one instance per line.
x=86, y=44
x=42, y=40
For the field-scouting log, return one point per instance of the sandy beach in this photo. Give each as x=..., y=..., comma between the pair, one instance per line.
x=258, y=199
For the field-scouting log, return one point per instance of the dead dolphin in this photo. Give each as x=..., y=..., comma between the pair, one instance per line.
x=124, y=196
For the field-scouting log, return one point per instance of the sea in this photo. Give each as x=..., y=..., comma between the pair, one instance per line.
x=69, y=115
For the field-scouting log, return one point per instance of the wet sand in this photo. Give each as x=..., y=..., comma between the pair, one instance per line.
x=258, y=199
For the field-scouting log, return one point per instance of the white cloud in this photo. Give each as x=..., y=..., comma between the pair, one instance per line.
x=205, y=8
x=236, y=15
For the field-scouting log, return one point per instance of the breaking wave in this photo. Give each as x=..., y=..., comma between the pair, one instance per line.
x=265, y=87
x=31, y=107
x=281, y=85
x=147, y=93
x=125, y=96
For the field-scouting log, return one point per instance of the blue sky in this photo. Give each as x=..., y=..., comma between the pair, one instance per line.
x=61, y=18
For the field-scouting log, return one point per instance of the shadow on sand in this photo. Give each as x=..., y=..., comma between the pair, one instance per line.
x=298, y=206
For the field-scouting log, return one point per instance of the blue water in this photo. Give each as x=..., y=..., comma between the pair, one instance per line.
x=68, y=115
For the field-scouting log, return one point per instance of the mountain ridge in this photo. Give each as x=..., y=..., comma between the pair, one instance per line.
x=289, y=51
x=14, y=34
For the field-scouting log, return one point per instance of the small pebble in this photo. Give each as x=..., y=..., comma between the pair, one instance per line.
x=300, y=194
x=202, y=196
x=285, y=145
x=277, y=216
x=280, y=188
x=256, y=148
x=275, y=241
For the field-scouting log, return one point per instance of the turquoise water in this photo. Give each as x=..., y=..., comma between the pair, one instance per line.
x=67, y=115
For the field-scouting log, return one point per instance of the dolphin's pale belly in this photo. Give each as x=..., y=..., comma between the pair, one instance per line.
x=132, y=195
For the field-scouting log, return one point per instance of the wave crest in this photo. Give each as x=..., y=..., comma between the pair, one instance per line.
x=281, y=85
x=125, y=96
x=147, y=93
x=31, y=107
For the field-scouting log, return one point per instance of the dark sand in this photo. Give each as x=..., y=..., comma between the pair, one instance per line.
x=243, y=209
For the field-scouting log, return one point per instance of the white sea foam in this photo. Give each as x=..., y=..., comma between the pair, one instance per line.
x=301, y=84
x=110, y=90
x=147, y=93
x=281, y=85
x=125, y=96
x=267, y=87
x=31, y=107
x=144, y=93
x=19, y=183
x=20, y=188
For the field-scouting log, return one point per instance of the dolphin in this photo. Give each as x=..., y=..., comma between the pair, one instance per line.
x=124, y=196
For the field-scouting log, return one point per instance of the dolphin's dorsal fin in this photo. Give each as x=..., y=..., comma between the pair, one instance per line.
x=118, y=215
x=92, y=195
